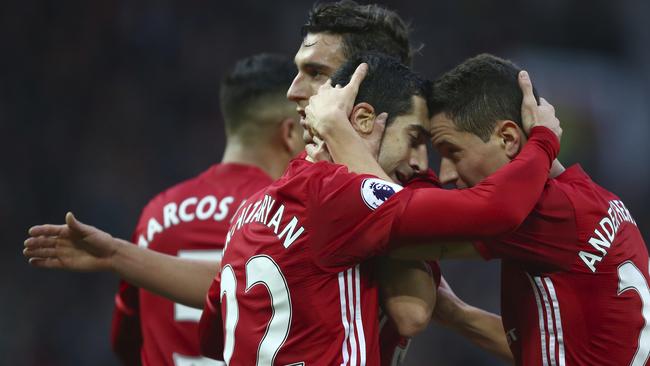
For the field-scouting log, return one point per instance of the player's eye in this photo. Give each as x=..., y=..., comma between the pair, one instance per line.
x=315, y=73
x=417, y=138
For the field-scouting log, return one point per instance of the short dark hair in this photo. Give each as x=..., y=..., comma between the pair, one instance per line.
x=262, y=78
x=478, y=93
x=389, y=85
x=363, y=28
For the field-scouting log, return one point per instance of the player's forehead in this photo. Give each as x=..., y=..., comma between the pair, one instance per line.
x=322, y=49
x=442, y=129
x=417, y=118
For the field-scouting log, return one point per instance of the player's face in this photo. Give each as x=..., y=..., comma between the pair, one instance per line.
x=403, y=150
x=466, y=159
x=320, y=54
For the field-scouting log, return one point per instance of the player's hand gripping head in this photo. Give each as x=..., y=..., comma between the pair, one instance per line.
x=533, y=115
x=369, y=91
x=74, y=246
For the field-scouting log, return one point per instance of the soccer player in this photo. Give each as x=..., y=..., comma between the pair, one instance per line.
x=575, y=272
x=190, y=219
x=333, y=33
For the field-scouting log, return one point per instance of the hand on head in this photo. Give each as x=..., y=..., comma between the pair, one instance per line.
x=331, y=106
x=533, y=115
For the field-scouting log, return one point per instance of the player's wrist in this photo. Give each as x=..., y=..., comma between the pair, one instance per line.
x=118, y=256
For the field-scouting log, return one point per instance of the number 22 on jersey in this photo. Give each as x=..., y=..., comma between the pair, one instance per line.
x=260, y=270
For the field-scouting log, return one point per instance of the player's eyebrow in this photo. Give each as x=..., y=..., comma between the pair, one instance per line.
x=421, y=130
x=317, y=67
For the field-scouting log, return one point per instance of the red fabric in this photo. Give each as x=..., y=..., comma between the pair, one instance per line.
x=211, y=325
x=321, y=283
x=546, y=281
x=188, y=219
x=126, y=335
x=426, y=179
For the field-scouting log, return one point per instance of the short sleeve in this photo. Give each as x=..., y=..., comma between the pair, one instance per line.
x=340, y=206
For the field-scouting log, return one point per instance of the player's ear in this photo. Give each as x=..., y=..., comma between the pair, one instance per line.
x=291, y=133
x=510, y=137
x=363, y=118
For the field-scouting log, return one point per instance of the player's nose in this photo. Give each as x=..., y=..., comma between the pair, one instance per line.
x=298, y=89
x=419, y=159
x=448, y=173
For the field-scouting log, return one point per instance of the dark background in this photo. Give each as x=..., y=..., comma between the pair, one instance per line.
x=105, y=103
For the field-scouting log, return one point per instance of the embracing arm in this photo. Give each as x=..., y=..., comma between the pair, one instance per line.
x=79, y=247
x=435, y=251
x=408, y=294
x=482, y=328
x=496, y=206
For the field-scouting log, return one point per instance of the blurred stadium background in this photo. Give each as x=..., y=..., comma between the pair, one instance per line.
x=105, y=103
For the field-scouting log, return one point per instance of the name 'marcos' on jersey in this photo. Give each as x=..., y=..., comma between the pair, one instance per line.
x=208, y=207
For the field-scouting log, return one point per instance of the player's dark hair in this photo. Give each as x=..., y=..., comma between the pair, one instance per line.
x=478, y=93
x=363, y=28
x=262, y=78
x=388, y=86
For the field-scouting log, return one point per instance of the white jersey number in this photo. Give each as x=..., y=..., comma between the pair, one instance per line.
x=184, y=313
x=631, y=278
x=260, y=270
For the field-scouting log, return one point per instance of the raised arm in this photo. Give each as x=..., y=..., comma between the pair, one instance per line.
x=496, y=206
x=79, y=247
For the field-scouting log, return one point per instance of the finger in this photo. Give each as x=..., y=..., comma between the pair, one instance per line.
x=327, y=85
x=48, y=230
x=41, y=242
x=526, y=86
x=545, y=103
x=76, y=225
x=50, y=263
x=357, y=78
x=40, y=253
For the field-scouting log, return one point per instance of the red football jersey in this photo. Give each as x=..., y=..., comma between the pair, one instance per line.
x=189, y=220
x=286, y=301
x=393, y=346
x=575, y=279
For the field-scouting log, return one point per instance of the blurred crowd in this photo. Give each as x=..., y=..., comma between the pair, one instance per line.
x=105, y=103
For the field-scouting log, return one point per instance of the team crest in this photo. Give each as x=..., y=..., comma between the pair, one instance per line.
x=376, y=191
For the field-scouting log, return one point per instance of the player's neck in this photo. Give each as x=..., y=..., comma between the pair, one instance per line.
x=263, y=157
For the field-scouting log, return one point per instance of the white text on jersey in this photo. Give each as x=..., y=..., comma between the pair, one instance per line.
x=605, y=232
x=190, y=209
x=259, y=212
